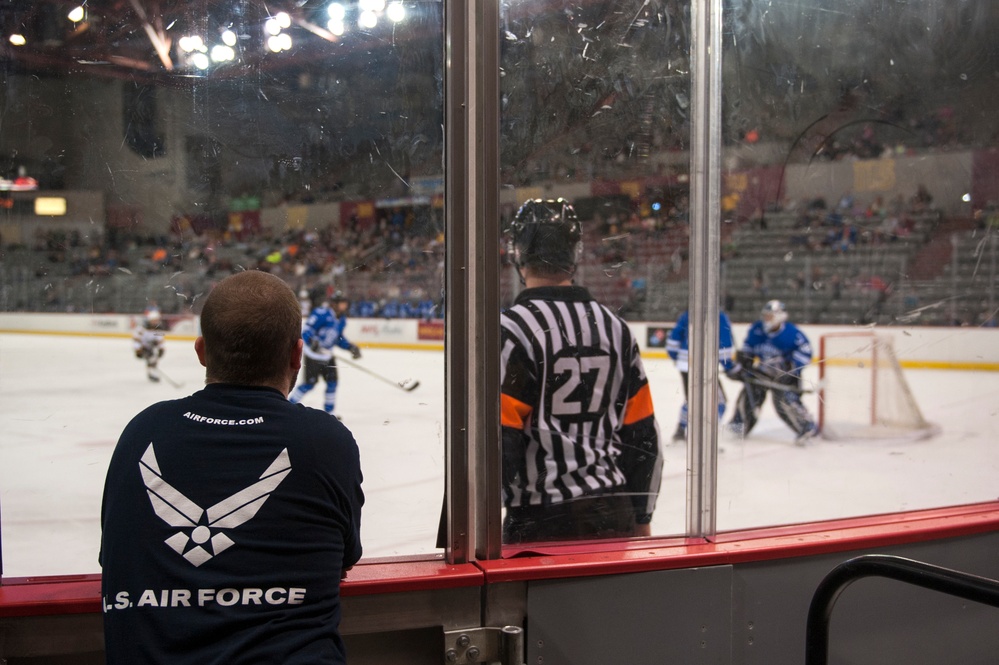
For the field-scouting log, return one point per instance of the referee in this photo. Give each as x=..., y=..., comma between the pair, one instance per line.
x=581, y=452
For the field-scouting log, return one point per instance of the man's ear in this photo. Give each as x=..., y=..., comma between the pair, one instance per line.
x=296, y=356
x=199, y=348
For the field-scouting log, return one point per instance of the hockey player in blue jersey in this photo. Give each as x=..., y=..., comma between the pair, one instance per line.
x=771, y=359
x=677, y=348
x=322, y=332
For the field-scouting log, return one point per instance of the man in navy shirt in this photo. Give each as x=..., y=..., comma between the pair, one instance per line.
x=230, y=516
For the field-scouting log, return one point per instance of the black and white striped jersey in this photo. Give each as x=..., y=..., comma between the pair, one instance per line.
x=576, y=407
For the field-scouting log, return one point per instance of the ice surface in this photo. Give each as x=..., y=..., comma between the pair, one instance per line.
x=64, y=400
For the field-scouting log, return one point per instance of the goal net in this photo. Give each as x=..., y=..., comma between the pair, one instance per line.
x=864, y=394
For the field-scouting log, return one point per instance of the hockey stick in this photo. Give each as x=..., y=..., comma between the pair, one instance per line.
x=407, y=385
x=160, y=373
x=776, y=385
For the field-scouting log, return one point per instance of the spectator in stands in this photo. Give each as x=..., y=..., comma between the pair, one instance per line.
x=888, y=230
x=406, y=310
x=816, y=282
x=836, y=286
x=427, y=309
x=877, y=208
x=800, y=240
x=390, y=309
x=847, y=239
x=759, y=285
x=365, y=309
x=922, y=200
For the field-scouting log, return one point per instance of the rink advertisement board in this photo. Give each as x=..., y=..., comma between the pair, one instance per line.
x=387, y=333
x=656, y=336
x=70, y=324
x=432, y=330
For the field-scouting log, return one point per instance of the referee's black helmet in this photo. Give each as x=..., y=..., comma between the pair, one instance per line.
x=546, y=236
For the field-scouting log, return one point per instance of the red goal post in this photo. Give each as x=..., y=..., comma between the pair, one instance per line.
x=864, y=394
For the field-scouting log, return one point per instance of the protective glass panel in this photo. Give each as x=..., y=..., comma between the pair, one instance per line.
x=860, y=192
x=595, y=104
x=149, y=149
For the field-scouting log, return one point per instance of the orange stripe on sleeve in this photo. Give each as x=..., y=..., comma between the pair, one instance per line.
x=513, y=412
x=639, y=406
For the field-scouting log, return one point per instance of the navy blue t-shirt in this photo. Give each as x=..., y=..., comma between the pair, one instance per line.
x=228, y=516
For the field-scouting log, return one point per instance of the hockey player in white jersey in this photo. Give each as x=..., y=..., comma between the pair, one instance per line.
x=771, y=360
x=147, y=341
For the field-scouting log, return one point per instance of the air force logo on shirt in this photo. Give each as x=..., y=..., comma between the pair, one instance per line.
x=200, y=527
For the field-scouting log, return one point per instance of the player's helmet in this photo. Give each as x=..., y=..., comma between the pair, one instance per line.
x=152, y=318
x=545, y=235
x=773, y=315
x=317, y=295
x=339, y=297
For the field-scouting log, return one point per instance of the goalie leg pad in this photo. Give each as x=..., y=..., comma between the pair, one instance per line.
x=793, y=412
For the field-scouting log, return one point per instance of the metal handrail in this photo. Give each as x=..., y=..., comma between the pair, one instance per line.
x=963, y=585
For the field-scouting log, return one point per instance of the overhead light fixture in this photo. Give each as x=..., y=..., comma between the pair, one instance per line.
x=18, y=40
x=222, y=53
x=278, y=43
x=335, y=26
x=76, y=14
x=396, y=12
x=200, y=60
x=367, y=20
x=283, y=19
x=337, y=12
x=190, y=43
x=229, y=38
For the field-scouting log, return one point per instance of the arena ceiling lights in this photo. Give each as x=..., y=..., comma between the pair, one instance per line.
x=160, y=36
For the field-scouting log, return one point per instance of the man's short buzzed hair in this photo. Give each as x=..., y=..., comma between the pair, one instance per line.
x=251, y=322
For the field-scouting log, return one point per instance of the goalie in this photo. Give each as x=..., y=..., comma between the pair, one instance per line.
x=771, y=360
x=147, y=341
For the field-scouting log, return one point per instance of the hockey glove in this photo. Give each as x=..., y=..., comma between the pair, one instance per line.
x=743, y=359
x=355, y=351
x=314, y=344
x=735, y=373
